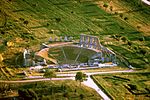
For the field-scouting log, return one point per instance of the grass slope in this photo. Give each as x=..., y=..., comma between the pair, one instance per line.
x=58, y=90
x=72, y=54
x=31, y=22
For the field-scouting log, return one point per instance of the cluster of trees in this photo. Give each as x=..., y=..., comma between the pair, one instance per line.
x=4, y=88
x=27, y=94
x=80, y=77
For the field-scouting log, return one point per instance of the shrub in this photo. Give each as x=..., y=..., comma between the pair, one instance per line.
x=132, y=87
x=126, y=18
x=116, y=13
x=141, y=39
x=22, y=19
x=81, y=96
x=124, y=39
x=26, y=22
x=79, y=76
x=121, y=15
x=27, y=94
x=58, y=19
x=33, y=94
x=2, y=48
x=49, y=74
x=2, y=32
x=105, y=5
x=143, y=51
x=111, y=8
x=129, y=43
x=66, y=94
x=23, y=94
x=138, y=27
x=4, y=87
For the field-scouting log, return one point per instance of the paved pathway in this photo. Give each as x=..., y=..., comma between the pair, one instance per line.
x=146, y=1
x=94, y=73
x=90, y=83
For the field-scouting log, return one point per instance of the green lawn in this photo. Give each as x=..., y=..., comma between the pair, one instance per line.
x=71, y=54
x=31, y=22
x=118, y=86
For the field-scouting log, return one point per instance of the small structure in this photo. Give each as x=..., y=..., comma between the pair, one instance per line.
x=70, y=38
x=37, y=68
x=66, y=39
x=89, y=41
x=103, y=54
x=55, y=39
x=50, y=39
x=61, y=39
x=39, y=61
x=27, y=58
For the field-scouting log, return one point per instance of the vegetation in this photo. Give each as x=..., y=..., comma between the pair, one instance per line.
x=80, y=77
x=70, y=54
x=49, y=74
x=60, y=90
x=125, y=85
x=27, y=94
x=26, y=24
x=124, y=28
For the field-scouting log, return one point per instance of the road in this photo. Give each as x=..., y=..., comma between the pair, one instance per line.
x=90, y=83
x=94, y=73
x=146, y=1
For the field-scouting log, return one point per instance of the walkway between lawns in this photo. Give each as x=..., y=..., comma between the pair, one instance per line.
x=90, y=83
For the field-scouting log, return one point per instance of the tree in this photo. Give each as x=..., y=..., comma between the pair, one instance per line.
x=124, y=39
x=33, y=94
x=111, y=8
x=23, y=93
x=143, y=51
x=58, y=19
x=28, y=94
x=66, y=94
x=129, y=43
x=121, y=15
x=4, y=88
x=49, y=74
x=80, y=77
x=132, y=87
x=81, y=96
x=105, y=5
x=26, y=22
x=126, y=18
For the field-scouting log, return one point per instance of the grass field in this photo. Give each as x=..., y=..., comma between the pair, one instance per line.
x=29, y=23
x=124, y=86
x=70, y=54
x=59, y=90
